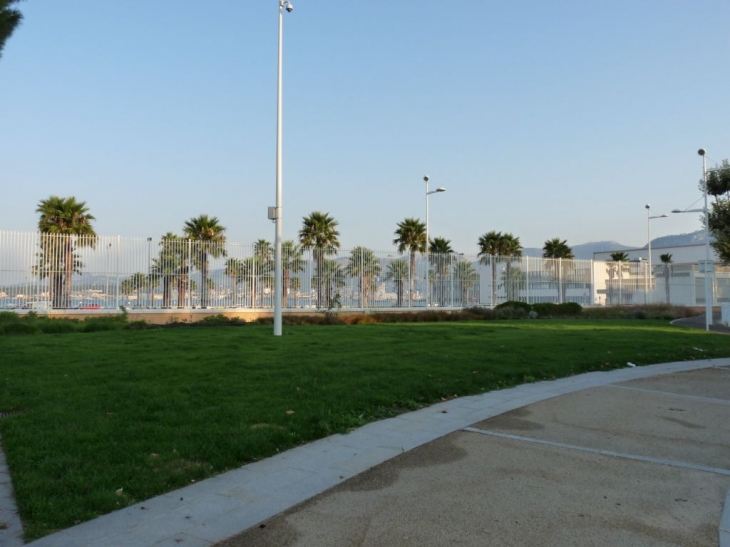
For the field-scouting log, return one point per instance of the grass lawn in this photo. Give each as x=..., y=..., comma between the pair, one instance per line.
x=151, y=410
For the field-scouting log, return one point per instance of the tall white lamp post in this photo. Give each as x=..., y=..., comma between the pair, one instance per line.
x=428, y=281
x=709, y=268
x=649, y=218
x=275, y=213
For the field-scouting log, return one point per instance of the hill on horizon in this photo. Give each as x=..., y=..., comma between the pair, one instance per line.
x=586, y=250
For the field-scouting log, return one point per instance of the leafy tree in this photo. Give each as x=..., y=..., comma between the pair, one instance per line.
x=10, y=19
x=411, y=236
x=65, y=225
x=398, y=272
x=494, y=244
x=558, y=250
x=363, y=264
x=465, y=277
x=319, y=233
x=440, y=254
x=291, y=262
x=666, y=259
x=209, y=241
x=718, y=186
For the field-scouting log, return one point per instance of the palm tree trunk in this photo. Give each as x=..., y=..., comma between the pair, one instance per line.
x=410, y=280
x=57, y=289
x=181, y=290
x=166, y=291
x=319, y=260
x=204, y=279
x=285, y=287
x=69, y=259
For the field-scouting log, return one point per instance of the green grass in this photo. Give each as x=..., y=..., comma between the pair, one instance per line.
x=147, y=411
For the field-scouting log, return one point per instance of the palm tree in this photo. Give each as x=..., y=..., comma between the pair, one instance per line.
x=363, y=264
x=263, y=254
x=209, y=241
x=557, y=248
x=465, y=277
x=495, y=244
x=249, y=273
x=295, y=284
x=319, y=233
x=291, y=262
x=514, y=280
x=65, y=225
x=439, y=255
x=411, y=237
x=332, y=278
x=397, y=272
x=616, y=268
x=234, y=270
x=667, y=261
x=134, y=283
x=9, y=21
x=511, y=247
x=169, y=265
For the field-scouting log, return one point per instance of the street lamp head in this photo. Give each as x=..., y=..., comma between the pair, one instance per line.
x=665, y=215
x=425, y=178
x=647, y=206
x=677, y=211
x=440, y=189
x=701, y=152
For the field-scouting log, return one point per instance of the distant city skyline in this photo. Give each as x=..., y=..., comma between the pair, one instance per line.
x=540, y=120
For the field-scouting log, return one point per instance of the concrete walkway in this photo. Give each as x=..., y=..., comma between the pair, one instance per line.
x=606, y=462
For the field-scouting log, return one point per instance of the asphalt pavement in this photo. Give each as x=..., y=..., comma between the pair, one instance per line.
x=644, y=462
x=636, y=456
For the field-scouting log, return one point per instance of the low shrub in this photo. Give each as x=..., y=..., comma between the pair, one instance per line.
x=58, y=326
x=24, y=327
x=9, y=317
x=569, y=309
x=99, y=324
x=511, y=313
x=514, y=304
x=219, y=320
x=479, y=312
x=545, y=309
x=140, y=325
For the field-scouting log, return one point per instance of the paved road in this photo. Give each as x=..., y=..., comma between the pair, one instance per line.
x=637, y=456
x=644, y=462
x=698, y=322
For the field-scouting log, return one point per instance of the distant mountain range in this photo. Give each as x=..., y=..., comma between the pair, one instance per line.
x=586, y=250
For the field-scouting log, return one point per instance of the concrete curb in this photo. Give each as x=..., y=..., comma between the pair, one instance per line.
x=212, y=510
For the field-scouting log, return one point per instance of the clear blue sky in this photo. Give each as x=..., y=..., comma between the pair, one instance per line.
x=541, y=118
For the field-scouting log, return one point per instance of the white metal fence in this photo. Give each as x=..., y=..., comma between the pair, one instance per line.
x=40, y=271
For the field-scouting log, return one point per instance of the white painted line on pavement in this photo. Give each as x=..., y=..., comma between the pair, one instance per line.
x=672, y=394
x=645, y=459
